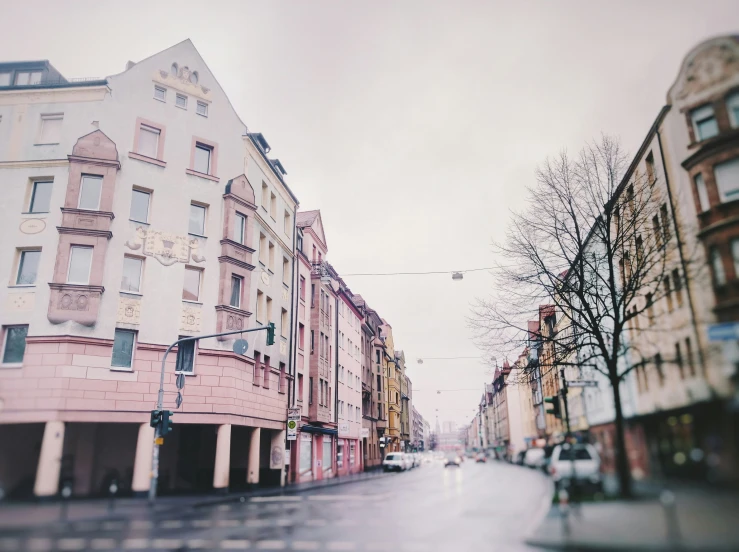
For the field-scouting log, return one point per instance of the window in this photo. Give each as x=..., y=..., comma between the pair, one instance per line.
x=310, y=388
x=80, y=261
x=727, y=179
x=202, y=109
x=284, y=323
x=735, y=256
x=301, y=336
x=313, y=295
x=650, y=167
x=650, y=308
x=90, y=192
x=665, y=222
x=269, y=310
x=265, y=372
x=236, y=291
x=148, y=141
x=676, y=281
x=260, y=307
x=285, y=271
x=27, y=268
x=351, y=378
x=689, y=356
x=263, y=249
x=191, y=286
x=51, y=129
x=300, y=387
x=287, y=223
x=140, y=206
x=656, y=227
x=197, y=220
x=185, y=357
x=202, y=158
x=123, y=349
x=23, y=78
x=302, y=288
x=240, y=229
x=181, y=101
x=160, y=93
x=704, y=123
x=273, y=206
x=700, y=186
x=679, y=360
x=312, y=341
x=719, y=275
x=15, y=344
x=265, y=196
x=668, y=293
x=359, y=416
x=732, y=106
x=131, y=280
x=40, y=197
x=4, y=79
x=328, y=459
x=282, y=386
x=272, y=257
x=257, y=368
x=660, y=370
x=299, y=245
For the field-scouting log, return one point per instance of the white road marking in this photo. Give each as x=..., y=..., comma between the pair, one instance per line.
x=141, y=524
x=304, y=545
x=70, y=544
x=276, y=499
x=316, y=522
x=103, y=544
x=284, y=522
x=271, y=545
x=234, y=544
x=39, y=544
x=345, y=523
x=379, y=546
x=136, y=544
x=167, y=543
x=341, y=545
x=202, y=523
x=330, y=498
x=172, y=524
x=199, y=543
x=257, y=522
x=228, y=523
x=9, y=544
x=113, y=526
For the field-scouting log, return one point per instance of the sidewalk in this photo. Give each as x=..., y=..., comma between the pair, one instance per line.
x=705, y=519
x=26, y=515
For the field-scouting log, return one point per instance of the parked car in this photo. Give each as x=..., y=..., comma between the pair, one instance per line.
x=395, y=461
x=533, y=457
x=578, y=461
x=452, y=460
x=481, y=457
x=416, y=459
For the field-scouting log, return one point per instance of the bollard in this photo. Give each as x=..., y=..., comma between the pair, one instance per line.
x=564, y=509
x=667, y=499
x=112, y=490
x=66, y=495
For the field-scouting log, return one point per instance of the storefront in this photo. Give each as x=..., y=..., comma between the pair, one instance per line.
x=313, y=454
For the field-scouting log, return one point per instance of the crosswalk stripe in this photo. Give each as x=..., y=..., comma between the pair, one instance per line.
x=234, y=544
x=102, y=544
x=228, y=523
x=136, y=544
x=341, y=545
x=202, y=523
x=276, y=499
x=171, y=524
x=70, y=544
x=271, y=545
x=141, y=524
x=304, y=545
x=38, y=545
x=167, y=543
x=199, y=543
x=316, y=522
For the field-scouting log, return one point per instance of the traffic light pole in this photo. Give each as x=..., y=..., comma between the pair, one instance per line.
x=158, y=437
x=564, y=396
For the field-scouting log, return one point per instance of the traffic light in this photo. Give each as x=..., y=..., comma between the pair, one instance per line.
x=156, y=418
x=271, y=333
x=166, y=422
x=554, y=401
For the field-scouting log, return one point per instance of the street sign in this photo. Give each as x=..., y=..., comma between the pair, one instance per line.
x=180, y=380
x=293, y=418
x=178, y=400
x=582, y=383
x=727, y=331
x=240, y=346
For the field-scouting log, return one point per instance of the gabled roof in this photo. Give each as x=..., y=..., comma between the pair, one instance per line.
x=306, y=218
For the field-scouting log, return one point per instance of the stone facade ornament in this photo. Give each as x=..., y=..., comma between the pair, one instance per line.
x=165, y=247
x=190, y=318
x=129, y=310
x=710, y=66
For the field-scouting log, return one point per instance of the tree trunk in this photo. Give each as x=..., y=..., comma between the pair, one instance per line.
x=623, y=469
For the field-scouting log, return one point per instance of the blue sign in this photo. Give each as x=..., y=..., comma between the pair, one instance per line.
x=727, y=331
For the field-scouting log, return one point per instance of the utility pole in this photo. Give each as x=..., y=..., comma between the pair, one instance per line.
x=159, y=421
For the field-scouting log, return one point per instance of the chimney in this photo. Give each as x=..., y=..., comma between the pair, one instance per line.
x=130, y=64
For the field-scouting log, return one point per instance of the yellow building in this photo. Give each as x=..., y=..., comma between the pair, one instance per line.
x=392, y=387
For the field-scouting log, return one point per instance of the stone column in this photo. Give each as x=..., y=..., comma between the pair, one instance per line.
x=223, y=458
x=142, y=463
x=50, y=460
x=277, y=454
x=252, y=470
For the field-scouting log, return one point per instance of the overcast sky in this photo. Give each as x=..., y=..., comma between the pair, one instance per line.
x=413, y=126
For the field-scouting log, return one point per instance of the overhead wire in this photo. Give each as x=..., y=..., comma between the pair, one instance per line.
x=419, y=273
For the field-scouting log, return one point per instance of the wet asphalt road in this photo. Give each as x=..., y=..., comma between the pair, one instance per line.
x=478, y=507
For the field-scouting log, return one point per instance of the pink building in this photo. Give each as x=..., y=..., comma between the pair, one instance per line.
x=129, y=219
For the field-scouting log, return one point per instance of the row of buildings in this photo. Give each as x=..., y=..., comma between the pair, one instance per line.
x=680, y=397
x=139, y=209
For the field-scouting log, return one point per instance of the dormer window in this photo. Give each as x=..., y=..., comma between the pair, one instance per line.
x=704, y=123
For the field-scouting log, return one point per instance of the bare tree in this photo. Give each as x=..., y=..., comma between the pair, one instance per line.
x=596, y=242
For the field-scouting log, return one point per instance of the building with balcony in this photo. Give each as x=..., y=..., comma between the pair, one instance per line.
x=131, y=217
